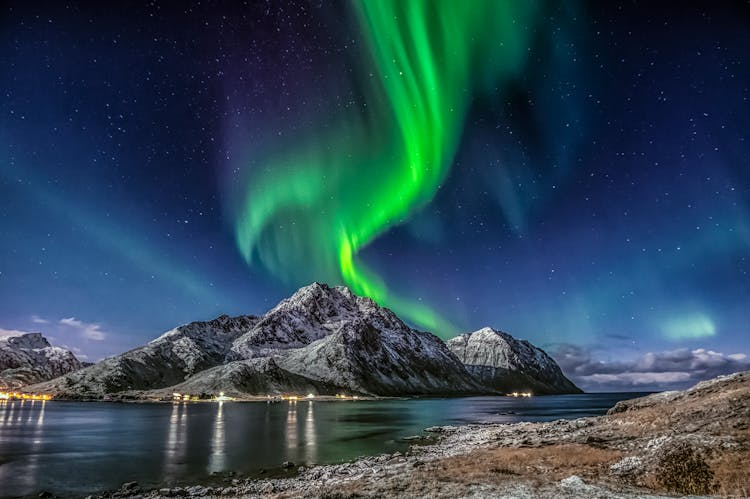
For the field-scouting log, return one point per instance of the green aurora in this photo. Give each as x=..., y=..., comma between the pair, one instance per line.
x=307, y=212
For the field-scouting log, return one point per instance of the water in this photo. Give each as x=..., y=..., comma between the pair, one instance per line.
x=73, y=449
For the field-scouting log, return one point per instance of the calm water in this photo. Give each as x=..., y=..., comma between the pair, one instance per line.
x=72, y=448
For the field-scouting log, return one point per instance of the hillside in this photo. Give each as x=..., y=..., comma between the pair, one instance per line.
x=322, y=340
x=30, y=358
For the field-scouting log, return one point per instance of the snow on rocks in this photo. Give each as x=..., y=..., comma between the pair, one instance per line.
x=29, y=358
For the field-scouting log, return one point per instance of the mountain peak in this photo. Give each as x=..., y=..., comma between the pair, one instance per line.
x=29, y=358
x=497, y=358
x=28, y=340
x=311, y=313
x=320, y=291
x=489, y=333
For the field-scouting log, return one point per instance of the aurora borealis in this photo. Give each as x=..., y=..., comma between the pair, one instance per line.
x=309, y=214
x=575, y=173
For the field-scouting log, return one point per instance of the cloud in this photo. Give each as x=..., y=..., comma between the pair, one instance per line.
x=5, y=333
x=38, y=320
x=89, y=331
x=653, y=371
x=636, y=379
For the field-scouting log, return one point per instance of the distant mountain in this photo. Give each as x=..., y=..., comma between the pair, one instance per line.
x=322, y=340
x=29, y=358
x=500, y=362
x=165, y=361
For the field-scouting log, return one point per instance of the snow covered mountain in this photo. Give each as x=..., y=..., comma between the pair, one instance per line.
x=322, y=340
x=312, y=313
x=165, y=361
x=258, y=376
x=501, y=362
x=29, y=358
x=382, y=358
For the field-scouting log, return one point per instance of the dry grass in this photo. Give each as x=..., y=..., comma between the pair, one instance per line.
x=454, y=476
x=684, y=413
x=719, y=411
x=731, y=473
x=683, y=470
x=552, y=462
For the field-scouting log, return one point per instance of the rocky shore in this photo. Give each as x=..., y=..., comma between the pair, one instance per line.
x=692, y=442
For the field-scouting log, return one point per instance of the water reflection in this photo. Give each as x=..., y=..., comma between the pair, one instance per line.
x=108, y=444
x=40, y=419
x=36, y=439
x=9, y=420
x=176, y=439
x=300, y=432
x=217, y=460
x=311, y=440
x=31, y=412
x=291, y=429
x=30, y=418
x=20, y=411
x=4, y=412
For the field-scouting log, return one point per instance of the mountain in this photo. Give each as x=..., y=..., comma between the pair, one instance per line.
x=29, y=358
x=322, y=339
x=312, y=313
x=383, y=358
x=257, y=376
x=169, y=359
x=329, y=340
x=503, y=363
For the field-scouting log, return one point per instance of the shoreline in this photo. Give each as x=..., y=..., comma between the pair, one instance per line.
x=399, y=473
x=616, y=455
x=138, y=398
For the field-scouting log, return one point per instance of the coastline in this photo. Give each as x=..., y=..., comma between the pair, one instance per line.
x=616, y=455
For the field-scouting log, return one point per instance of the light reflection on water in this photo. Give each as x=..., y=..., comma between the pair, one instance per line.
x=30, y=415
x=311, y=454
x=291, y=427
x=176, y=436
x=109, y=443
x=217, y=460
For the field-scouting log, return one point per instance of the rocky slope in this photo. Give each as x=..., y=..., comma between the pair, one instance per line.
x=29, y=358
x=323, y=339
x=636, y=451
x=501, y=362
x=327, y=340
x=312, y=313
x=165, y=361
x=258, y=376
x=383, y=358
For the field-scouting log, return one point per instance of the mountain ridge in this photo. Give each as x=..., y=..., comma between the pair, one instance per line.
x=505, y=363
x=30, y=358
x=324, y=339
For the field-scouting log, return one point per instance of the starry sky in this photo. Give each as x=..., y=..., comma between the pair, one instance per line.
x=576, y=174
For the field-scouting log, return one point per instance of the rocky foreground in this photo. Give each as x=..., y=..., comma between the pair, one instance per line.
x=691, y=442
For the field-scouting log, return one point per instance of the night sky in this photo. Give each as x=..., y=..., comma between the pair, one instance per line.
x=576, y=174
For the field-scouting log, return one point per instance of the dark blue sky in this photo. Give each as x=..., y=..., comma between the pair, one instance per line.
x=598, y=204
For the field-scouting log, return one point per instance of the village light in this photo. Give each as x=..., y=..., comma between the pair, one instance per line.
x=24, y=396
